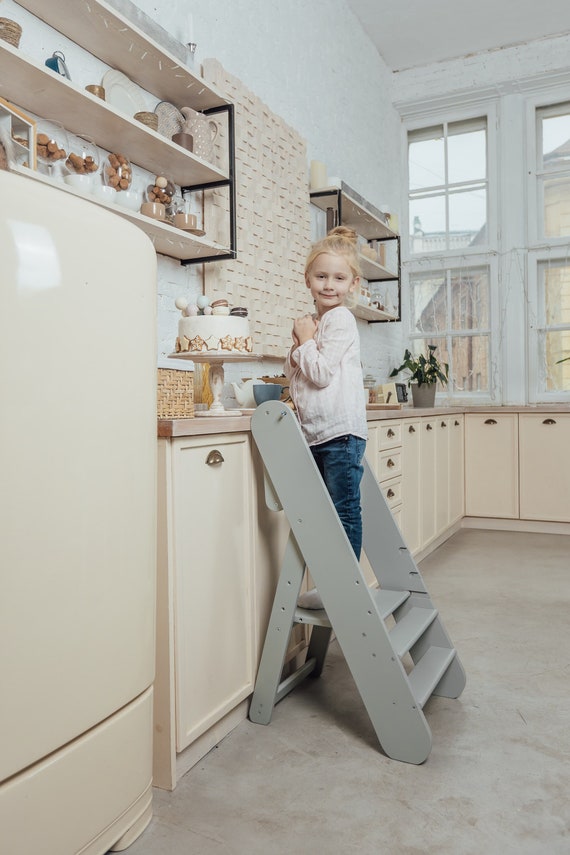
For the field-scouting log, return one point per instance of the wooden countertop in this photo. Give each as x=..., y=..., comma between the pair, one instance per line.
x=202, y=426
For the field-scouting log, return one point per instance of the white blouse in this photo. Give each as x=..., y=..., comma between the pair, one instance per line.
x=325, y=380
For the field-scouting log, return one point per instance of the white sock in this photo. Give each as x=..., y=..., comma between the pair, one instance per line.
x=310, y=600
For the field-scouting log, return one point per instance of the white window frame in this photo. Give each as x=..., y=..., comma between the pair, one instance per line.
x=466, y=256
x=540, y=250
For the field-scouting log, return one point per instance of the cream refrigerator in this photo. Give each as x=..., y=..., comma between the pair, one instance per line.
x=77, y=522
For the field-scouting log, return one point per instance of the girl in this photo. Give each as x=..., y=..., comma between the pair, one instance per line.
x=325, y=377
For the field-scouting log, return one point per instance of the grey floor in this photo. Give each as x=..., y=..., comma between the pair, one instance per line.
x=497, y=779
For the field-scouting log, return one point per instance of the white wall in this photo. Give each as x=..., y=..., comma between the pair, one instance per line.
x=312, y=63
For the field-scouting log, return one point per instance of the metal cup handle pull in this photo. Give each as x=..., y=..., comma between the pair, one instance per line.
x=214, y=457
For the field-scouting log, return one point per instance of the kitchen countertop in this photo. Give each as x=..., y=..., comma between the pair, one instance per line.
x=201, y=426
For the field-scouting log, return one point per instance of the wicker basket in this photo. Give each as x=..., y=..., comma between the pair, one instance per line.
x=10, y=31
x=175, y=394
x=148, y=119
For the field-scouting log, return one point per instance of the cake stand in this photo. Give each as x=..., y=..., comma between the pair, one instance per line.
x=216, y=376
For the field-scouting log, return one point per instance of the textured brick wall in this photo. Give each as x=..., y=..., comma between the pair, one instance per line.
x=273, y=226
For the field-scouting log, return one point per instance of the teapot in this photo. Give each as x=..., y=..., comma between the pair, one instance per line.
x=244, y=393
x=203, y=130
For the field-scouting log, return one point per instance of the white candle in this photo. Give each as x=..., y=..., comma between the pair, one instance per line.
x=318, y=175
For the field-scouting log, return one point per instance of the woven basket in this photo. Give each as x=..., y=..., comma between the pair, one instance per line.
x=175, y=394
x=10, y=31
x=148, y=119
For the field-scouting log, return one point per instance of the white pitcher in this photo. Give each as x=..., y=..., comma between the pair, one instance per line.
x=203, y=130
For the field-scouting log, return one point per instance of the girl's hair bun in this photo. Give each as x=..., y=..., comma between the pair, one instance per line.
x=344, y=232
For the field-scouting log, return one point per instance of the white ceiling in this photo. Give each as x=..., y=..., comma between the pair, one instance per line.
x=408, y=33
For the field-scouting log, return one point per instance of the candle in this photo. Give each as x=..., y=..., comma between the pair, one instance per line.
x=318, y=175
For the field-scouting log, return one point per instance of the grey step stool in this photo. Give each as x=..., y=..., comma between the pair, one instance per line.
x=394, y=695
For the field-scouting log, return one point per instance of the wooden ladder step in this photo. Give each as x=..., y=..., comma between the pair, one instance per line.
x=428, y=671
x=386, y=602
x=411, y=627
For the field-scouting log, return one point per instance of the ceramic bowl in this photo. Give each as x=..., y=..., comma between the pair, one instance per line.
x=263, y=392
x=84, y=183
x=104, y=194
x=128, y=199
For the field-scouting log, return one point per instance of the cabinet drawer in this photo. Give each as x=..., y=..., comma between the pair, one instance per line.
x=392, y=490
x=389, y=464
x=389, y=435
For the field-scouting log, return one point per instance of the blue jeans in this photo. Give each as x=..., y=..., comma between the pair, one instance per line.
x=340, y=463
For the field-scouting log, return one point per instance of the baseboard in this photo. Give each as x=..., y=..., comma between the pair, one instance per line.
x=534, y=526
x=201, y=746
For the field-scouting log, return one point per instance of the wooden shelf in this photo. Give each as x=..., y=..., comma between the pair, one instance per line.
x=166, y=239
x=368, y=313
x=106, y=33
x=373, y=271
x=50, y=95
x=356, y=212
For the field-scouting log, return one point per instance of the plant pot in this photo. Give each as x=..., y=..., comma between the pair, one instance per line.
x=424, y=395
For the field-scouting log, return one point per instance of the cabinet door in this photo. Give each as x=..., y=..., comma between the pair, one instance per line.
x=214, y=620
x=456, y=469
x=442, y=439
x=411, y=431
x=491, y=465
x=544, y=443
x=428, y=450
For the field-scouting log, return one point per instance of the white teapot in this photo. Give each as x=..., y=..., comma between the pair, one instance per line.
x=203, y=130
x=244, y=393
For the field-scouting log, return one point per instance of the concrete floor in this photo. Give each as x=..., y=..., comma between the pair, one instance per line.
x=497, y=780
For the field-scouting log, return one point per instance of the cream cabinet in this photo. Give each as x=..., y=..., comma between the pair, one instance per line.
x=206, y=623
x=544, y=449
x=428, y=480
x=456, y=468
x=491, y=465
x=411, y=499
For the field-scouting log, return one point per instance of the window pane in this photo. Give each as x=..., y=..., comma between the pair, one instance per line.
x=557, y=294
x=426, y=163
x=556, y=142
x=427, y=220
x=470, y=363
x=470, y=299
x=467, y=157
x=467, y=218
x=429, y=304
x=557, y=347
x=557, y=207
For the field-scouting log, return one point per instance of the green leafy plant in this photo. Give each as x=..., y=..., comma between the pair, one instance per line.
x=424, y=369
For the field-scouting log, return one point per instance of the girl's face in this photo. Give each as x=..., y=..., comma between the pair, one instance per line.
x=330, y=280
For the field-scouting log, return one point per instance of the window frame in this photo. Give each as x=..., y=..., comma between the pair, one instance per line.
x=540, y=249
x=478, y=256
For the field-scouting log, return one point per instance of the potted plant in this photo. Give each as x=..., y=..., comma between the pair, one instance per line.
x=425, y=372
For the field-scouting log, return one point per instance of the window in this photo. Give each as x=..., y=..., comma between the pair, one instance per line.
x=549, y=317
x=447, y=168
x=450, y=309
x=449, y=255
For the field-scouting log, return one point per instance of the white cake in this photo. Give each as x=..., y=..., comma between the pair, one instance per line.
x=214, y=334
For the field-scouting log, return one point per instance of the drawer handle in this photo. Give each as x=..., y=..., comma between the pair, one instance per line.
x=444, y=424
x=490, y=422
x=429, y=427
x=456, y=423
x=390, y=463
x=390, y=494
x=391, y=432
x=411, y=429
x=549, y=422
x=214, y=457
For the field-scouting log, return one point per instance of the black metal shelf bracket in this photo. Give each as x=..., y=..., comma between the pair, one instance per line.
x=228, y=182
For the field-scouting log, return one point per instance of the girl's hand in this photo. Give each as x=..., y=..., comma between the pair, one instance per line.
x=304, y=328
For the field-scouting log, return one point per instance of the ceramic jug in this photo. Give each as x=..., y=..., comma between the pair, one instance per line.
x=203, y=130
